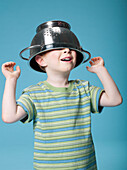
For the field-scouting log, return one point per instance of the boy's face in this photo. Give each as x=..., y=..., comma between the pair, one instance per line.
x=59, y=60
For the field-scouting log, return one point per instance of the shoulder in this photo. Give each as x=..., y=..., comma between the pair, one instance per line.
x=83, y=83
x=33, y=88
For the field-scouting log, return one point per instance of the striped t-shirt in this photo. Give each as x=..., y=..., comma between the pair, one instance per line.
x=62, y=124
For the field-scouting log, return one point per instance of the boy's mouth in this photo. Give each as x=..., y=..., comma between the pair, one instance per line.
x=66, y=59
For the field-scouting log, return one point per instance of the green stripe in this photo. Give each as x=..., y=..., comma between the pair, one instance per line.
x=84, y=141
x=65, y=156
x=79, y=164
x=59, y=147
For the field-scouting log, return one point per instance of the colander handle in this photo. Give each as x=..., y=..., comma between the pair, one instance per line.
x=87, y=53
x=27, y=48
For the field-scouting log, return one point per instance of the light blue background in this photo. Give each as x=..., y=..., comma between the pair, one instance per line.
x=101, y=26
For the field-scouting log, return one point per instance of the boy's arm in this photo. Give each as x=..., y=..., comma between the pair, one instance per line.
x=111, y=95
x=10, y=111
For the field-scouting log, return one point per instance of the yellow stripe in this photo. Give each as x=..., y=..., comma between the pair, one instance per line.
x=65, y=143
x=65, y=134
x=61, y=147
x=70, y=166
x=65, y=156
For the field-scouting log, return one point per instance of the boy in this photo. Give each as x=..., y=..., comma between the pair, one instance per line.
x=60, y=109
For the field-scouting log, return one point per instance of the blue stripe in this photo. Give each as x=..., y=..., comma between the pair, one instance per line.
x=64, y=161
x=63, y=118
x=90, y=165
x=62, y=129
x=63, y=108
x=40, y=83
x=61, y=98
x=63, y=150
x=22, y=105
x=62, y=140
x=74, y=89
x=84, y=86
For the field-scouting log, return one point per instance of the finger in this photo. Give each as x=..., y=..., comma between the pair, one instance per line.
x=88, y=68
x=94, y=59
x=8, y=66
x=11, y=66
x=91, y=63
x=97, y=58
x=11, y=63
x=18, y=69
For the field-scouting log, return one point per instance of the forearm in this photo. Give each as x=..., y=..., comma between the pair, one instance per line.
x=10, y=111
x=9, y=108
x=111, y=96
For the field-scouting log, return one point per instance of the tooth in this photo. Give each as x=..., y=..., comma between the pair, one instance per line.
x=66, y=59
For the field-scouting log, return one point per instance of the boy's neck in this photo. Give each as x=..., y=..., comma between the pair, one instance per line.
x=58, y=80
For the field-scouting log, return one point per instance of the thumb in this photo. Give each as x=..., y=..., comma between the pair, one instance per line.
x=18, y=69
x=87, y=67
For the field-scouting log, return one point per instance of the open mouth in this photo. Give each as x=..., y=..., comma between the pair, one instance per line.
x=66, y=59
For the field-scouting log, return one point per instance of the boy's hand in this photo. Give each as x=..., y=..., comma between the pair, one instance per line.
x=111, y=95
x=95, y=63
x=8, y=70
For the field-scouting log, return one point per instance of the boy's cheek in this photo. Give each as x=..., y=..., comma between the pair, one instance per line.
x=75, y=60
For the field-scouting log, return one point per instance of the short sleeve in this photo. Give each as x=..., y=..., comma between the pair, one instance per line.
x=95, y=94
x=27, y=104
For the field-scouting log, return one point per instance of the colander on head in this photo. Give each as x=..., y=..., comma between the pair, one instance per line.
x=54, y=35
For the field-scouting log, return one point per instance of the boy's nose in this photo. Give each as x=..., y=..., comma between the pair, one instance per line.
x=67, y=50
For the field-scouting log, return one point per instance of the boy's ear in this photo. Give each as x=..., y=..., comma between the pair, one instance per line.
x=39, y=59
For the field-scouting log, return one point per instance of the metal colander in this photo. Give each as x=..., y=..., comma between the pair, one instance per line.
x=54, y=35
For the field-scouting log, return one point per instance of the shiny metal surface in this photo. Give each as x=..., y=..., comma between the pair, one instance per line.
x=53, y=35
